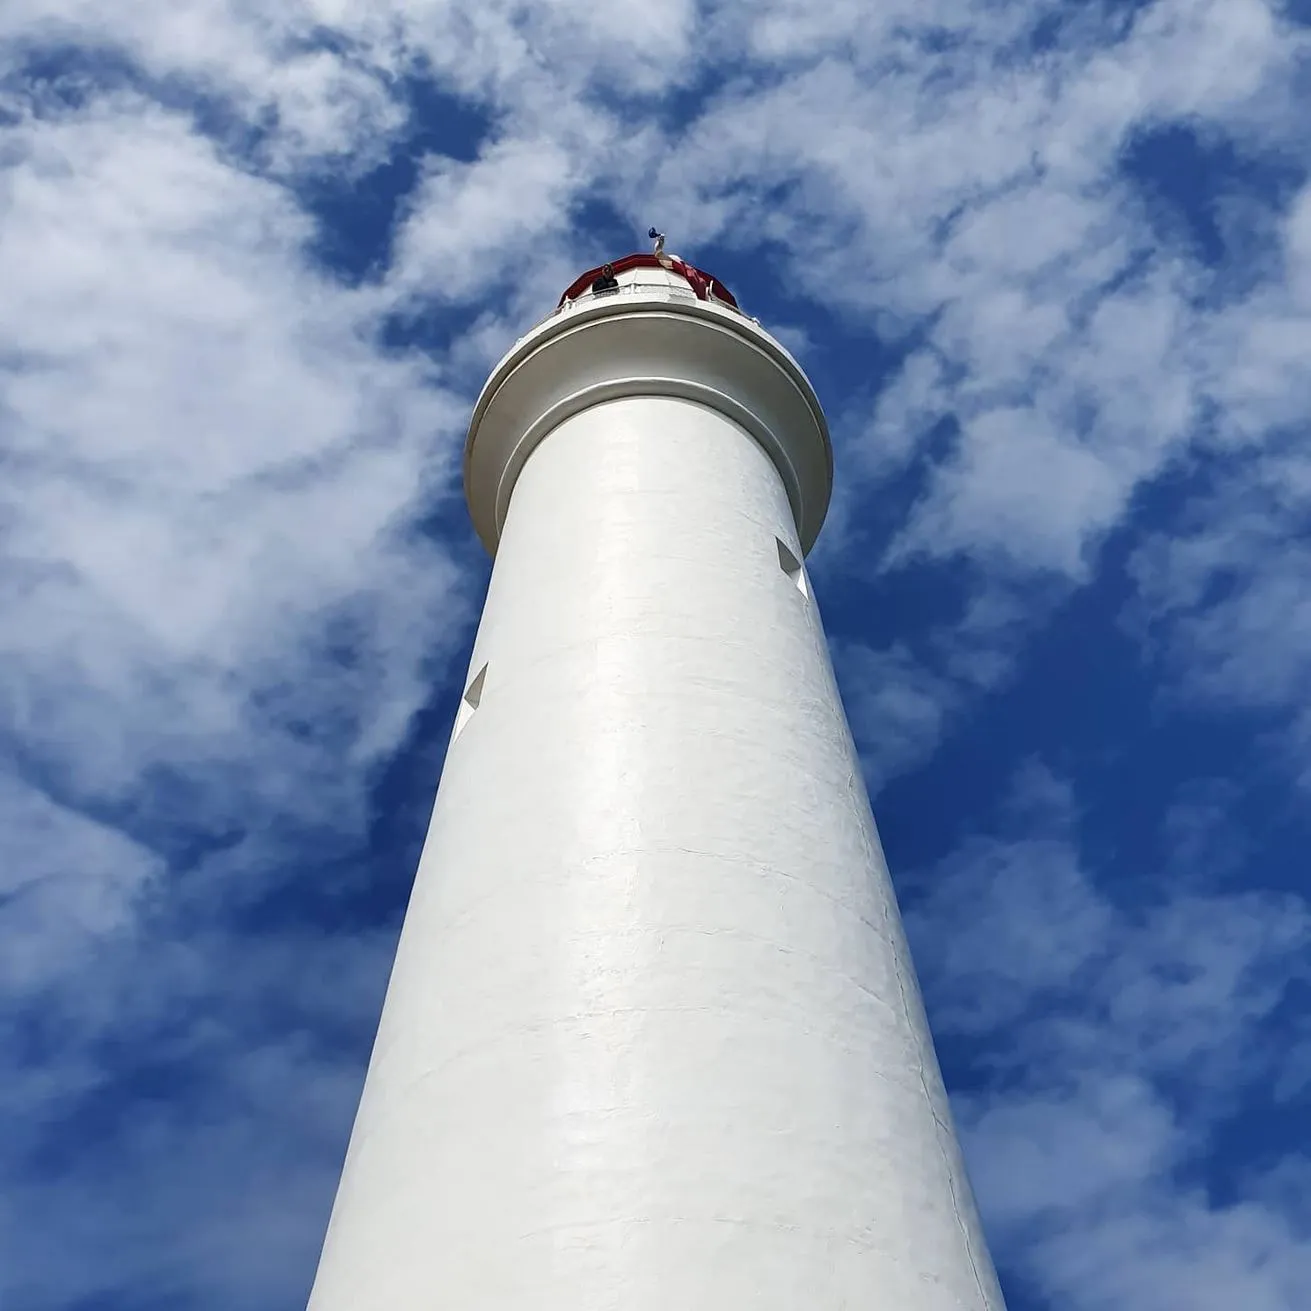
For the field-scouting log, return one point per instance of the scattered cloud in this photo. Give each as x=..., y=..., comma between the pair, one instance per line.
x=1114, y=1042
x=235, y=568
x=223, y=611
x=1224, y=598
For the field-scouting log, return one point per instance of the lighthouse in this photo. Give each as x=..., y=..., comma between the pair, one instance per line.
x=653, y=1040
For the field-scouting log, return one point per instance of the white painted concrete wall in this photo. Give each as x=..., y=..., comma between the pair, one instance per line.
x=653, y=1041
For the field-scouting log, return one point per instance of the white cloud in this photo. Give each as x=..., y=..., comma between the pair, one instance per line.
x=1019, y=490
x=214, y=472
x=1232, y=608
x=896, y=706
x=220, y=617
x=1055, y=1154
x=472, y=227
x=214, y=1191
x=902, y=702
x=1185, y=1252
x=941, y=183
x=1118, y=1038
x=66, y=881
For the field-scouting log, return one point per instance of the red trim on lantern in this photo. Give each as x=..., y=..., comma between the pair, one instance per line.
x=701, y=282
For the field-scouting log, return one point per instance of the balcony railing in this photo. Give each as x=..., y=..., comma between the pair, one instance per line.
x=659, y=289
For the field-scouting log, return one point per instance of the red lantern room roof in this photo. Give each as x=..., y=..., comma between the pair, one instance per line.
x=705, y=285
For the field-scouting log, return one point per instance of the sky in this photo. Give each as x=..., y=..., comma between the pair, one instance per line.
x=1049, y=268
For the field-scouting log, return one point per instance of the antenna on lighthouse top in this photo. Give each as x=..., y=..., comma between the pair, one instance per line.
x=659, y=252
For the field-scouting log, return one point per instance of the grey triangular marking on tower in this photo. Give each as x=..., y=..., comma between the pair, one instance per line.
x=474, y=693
x=469, y=702
x=793, y=567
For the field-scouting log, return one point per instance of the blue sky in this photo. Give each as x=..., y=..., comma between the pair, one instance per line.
x=1049, y=266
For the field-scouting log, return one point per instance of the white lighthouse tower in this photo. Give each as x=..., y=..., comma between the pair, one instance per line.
x=653, y=1040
